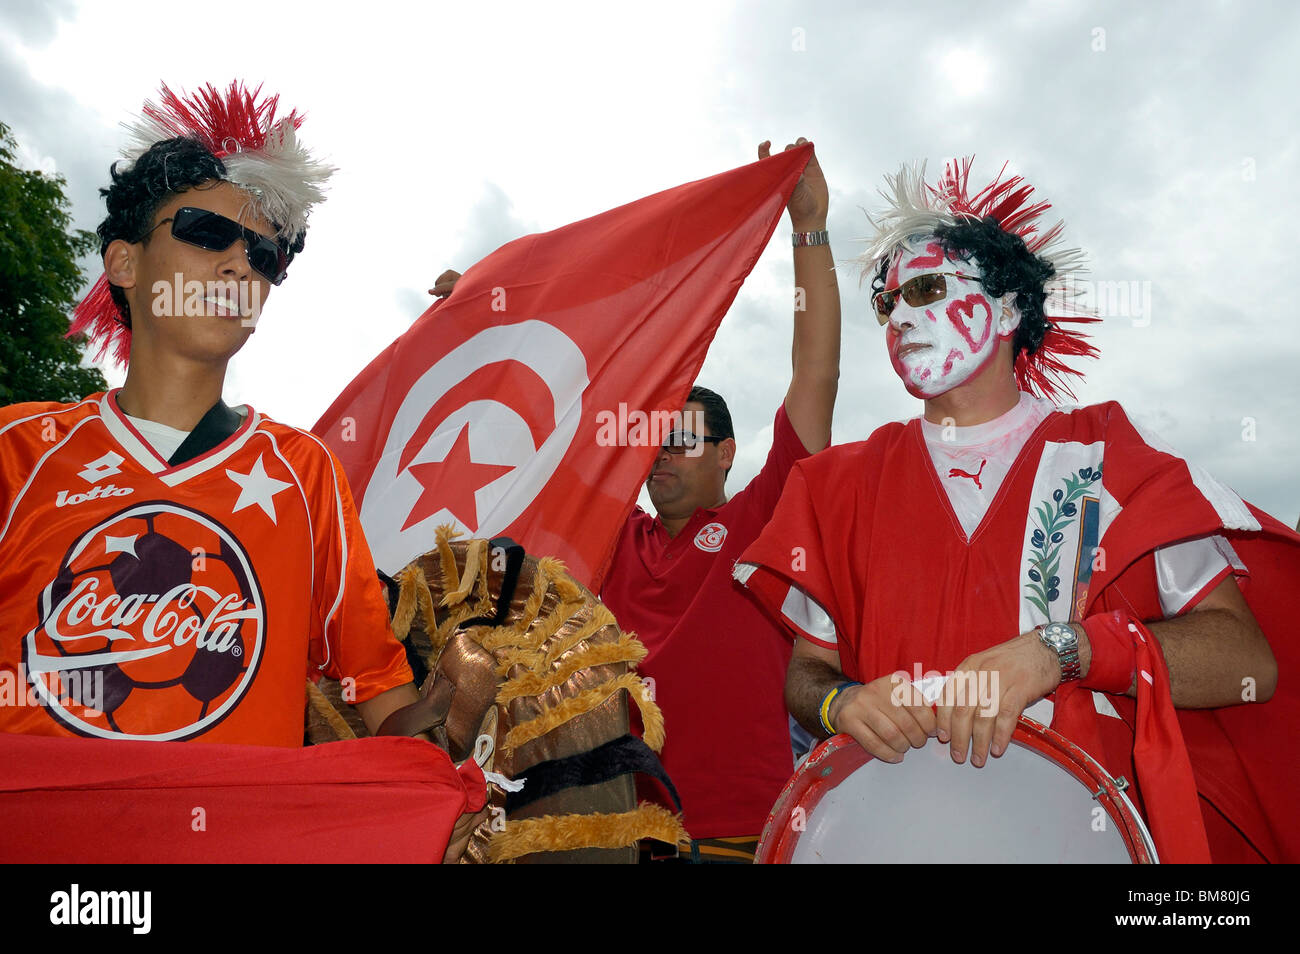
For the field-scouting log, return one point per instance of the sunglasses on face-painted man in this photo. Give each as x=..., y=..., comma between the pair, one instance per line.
x=216, y=233
x=917, y=291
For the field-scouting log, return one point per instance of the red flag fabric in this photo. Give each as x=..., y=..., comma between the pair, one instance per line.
x=1164, y=770
x=531, y=402
x=89, y=801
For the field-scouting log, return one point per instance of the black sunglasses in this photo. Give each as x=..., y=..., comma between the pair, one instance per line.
x=216, y=233
x=681, y=441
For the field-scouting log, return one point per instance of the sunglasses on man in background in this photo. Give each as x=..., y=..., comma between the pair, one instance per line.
x=680, y=442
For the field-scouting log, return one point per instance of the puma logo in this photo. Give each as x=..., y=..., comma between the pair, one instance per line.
x=957, y=472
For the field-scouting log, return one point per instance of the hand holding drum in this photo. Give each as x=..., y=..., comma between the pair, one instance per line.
x=883, y=720
x=871, y=714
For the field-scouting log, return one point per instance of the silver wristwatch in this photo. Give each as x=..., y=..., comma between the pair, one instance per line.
x=1062, y=638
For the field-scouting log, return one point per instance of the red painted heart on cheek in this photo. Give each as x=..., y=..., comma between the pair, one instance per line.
x=962, y=315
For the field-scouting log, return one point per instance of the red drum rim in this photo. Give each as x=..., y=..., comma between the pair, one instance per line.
x=840, y=755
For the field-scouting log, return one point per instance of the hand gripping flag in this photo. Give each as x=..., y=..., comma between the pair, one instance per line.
x=525, y=404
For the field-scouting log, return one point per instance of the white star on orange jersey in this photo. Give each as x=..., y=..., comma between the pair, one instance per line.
x=255, y=487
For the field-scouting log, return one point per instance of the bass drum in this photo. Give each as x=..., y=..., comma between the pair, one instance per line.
x=1044, y=800
x=543, y=677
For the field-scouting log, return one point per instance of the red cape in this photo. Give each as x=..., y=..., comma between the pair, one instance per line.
x=834, y=501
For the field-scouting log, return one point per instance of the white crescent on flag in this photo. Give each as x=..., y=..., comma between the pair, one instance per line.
x=499, y=466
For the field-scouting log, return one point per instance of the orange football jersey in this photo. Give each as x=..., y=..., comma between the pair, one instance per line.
x=142, y=601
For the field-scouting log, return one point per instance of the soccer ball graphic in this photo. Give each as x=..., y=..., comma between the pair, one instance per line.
x=159, y=612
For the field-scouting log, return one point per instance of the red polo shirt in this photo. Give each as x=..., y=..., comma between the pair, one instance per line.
x=717, y=661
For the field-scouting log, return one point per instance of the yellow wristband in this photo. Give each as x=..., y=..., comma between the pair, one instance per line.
x=824, y=715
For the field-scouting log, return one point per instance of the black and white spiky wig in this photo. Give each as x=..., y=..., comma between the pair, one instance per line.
x=999, y=228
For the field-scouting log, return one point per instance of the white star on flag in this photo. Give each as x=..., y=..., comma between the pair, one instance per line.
x=257, y=488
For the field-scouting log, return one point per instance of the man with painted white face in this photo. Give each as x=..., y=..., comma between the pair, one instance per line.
x=1063, y=554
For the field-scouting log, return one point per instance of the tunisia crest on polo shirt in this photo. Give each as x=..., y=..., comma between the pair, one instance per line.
x=711, y=537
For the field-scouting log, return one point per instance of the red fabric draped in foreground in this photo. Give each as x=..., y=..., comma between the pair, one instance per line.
x=92, y=802
x=512, y=407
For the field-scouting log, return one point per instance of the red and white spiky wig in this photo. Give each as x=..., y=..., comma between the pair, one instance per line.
x=917, y=208
x=261, y=155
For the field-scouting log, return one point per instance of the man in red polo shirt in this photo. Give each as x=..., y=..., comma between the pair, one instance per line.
x=717, y=663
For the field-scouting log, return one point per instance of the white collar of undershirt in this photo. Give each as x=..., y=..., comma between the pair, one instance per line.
x=1027, y=408
x=164, y=439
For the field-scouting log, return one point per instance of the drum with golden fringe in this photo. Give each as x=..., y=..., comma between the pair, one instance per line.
x=542, y=677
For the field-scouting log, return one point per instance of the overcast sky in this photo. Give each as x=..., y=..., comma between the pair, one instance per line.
x=1163, y=133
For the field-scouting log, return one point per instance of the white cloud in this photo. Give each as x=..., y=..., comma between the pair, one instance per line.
x=965, y=70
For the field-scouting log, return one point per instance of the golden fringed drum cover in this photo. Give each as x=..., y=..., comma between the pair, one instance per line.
x=541, y=668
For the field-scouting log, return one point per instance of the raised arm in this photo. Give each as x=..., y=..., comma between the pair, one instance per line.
x=815, y=351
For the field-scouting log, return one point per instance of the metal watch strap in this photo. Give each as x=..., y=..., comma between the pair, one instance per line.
x=1062, y=638
x=805, y=239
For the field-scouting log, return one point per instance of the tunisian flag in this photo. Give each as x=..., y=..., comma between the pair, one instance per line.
x=512, y=407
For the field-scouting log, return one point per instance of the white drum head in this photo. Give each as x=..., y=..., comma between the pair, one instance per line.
x=1034, y=804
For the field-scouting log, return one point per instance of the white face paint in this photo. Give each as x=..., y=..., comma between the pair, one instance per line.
x=938, y=346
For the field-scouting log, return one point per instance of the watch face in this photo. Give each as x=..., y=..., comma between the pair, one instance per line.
x=1059, y=636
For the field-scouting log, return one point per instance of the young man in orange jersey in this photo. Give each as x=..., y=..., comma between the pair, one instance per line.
x=188, y=565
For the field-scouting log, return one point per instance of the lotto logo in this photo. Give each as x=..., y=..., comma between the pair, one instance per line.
x=106, y=466
x=64, y=499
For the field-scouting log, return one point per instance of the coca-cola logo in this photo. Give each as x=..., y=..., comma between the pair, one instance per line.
x=163, y=617
x=161, y=602
x=711, y=537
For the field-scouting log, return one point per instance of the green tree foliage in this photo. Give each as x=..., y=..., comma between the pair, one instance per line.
x=39, y=281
